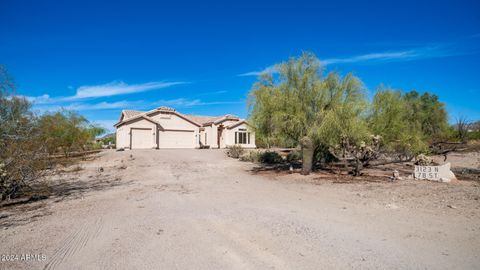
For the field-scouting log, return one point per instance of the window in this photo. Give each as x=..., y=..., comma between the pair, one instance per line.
x=242, y=137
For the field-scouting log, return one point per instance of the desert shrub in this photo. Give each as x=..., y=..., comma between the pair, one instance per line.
x=22, y=152
x=251, y=156
x=270, y=157
x=27, y=140
x=474, y=135
x=245, y=157
x=255, y=156
x=235, y=151
x=67, y=131
x=324, y=155
x=294, y=155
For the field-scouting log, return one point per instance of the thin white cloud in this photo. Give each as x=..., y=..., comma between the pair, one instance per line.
x=89, y=107
x=385, y=56
x=380, y=57
x=270, y=69
x=179, y=102
x=405, y=55
x=103, y=90
x=102, y=105
x=118, y=88
x=43, y=99
x=212, y=93
x=183, y=102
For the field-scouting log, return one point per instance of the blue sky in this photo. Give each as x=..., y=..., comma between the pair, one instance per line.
x=99, y=57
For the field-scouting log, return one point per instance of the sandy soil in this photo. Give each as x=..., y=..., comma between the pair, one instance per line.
x=197, y=209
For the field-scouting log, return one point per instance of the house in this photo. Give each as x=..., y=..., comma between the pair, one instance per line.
x=164, y=127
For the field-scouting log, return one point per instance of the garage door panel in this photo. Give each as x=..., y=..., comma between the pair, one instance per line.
x=142, y=138
x=177, y=139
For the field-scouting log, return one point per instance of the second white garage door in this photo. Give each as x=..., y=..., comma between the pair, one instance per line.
x=177, y=139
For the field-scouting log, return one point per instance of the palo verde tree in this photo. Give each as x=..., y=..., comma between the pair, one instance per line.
x=344, y=132
x=298, y=106
x=330, y=116
x=428, y=113
x=397, y=119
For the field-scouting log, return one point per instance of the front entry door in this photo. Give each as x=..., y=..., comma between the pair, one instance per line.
x=219, y=135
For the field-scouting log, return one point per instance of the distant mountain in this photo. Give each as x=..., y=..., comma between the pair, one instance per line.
x=109, y=135
x=475, y=125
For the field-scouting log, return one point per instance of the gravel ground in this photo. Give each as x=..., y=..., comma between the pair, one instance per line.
x=197, y=209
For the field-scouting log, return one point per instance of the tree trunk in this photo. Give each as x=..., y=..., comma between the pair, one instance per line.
x=307, y=155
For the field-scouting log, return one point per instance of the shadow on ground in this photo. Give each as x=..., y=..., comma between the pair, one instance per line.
x=29, y=208
x=335, y=174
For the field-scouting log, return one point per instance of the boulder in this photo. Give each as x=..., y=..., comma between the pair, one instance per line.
x=440, y=173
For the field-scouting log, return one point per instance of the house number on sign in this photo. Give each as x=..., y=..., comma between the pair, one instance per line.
x=440, y=173
x=427, y=172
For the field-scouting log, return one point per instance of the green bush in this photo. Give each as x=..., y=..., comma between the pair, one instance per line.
x=22, y=151
x=270, y=157
x=235, y=151
x=67, y=131
x=293, y=156
x=474, y=135
x=251, y=156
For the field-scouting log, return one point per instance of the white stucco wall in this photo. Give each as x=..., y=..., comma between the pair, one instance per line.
x=173, y=123
x=208, y=133
x=223, y=135
x=123, y=133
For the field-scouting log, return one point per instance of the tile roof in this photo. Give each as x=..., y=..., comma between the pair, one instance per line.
x=202, y=119
x=131, y=113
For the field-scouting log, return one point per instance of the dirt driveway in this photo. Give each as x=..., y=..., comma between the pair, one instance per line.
x=197, y=209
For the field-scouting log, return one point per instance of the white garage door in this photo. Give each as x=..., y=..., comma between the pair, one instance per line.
x=142, y=138
x=177, y=139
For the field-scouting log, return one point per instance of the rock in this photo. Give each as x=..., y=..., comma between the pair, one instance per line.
x=391, y=206
x=445, y=180
x=435, y=173
x=452, y=206
x=395, y=176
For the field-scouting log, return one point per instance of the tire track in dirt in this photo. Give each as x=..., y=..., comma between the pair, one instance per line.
x=75, y=242
x=239, y=248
